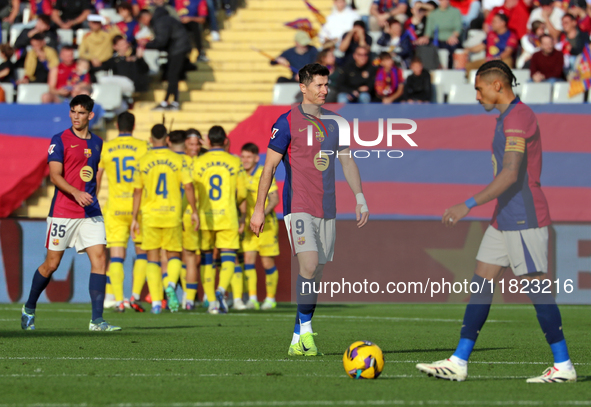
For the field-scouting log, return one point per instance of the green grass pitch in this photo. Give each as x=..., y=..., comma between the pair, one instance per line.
x=240, y=359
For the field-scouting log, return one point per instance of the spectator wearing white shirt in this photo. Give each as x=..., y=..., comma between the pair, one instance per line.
x=550, y=13
x=338, y=22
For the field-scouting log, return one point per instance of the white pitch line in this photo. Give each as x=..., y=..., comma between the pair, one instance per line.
x=294, y=403
x=307, y=360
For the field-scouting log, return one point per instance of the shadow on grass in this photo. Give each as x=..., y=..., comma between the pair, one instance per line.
x=424, y=351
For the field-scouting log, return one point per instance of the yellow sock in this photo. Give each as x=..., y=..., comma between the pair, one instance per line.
x=154, y=275
x=208, y=276
x=251, y=274
x=237, y=282
x=191, y=291
x=116, y=277
x=139, y=275
x=175, y=265
x=228, y=263
x=184, y=278
x=271, y=279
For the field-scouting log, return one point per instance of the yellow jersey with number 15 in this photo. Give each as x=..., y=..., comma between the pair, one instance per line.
x=161, y=173
x=119, y=159
x=221, y=186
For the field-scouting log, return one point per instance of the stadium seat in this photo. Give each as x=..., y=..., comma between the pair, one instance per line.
x=285, y=93
x=474, y=37
x=472, y=77
x=80, y=33
x=461, y=94
x=8, y=92
x=65, y=36
x=4, y=36
x=15, y=32
x=375, y=36
x=108, y=96
x=536, y=92
x=30, y=93
x=406, y=73
x=443, y=57
x=442, y=80
x=20, y=73
x=560, y=94
x=151, y=57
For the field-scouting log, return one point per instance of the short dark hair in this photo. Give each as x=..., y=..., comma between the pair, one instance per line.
x=177, y=137
x=535, y=25
x=117, y=38
x=143, y=12
x=360, y=23
x=83, y=100
x=416, y=60
x=498, y=67
x=45, y=18
x=217, y=136
x=158, y=131
x=308, y=72
x=569, y=15
x=125, y=6
x=385, y=55
x=68, y=48
x=251, y=148
x=503, y=17
x=196, y=132
x=545, y=36
x=126, y=122
x=38, y=37
x=392, y=20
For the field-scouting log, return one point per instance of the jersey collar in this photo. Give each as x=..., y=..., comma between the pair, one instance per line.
x=254, y=169
x=511, y=106
x=124, y=134
x=216, y=149
x=159, y=148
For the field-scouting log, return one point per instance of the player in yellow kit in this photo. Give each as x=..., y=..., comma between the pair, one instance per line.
x=157, y=192
x=118, y=160
x=266, y=244
x=221, y=186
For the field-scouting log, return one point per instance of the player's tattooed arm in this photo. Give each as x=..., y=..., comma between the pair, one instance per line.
x=512, y=161
x=273, y=201
x=56, y=170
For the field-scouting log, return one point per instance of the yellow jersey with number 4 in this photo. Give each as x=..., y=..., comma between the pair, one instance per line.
x=221, y=186
x=252, y=187
x=119, y=159
x=161, y=174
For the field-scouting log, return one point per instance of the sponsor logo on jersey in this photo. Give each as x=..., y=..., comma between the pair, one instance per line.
x=86, y=173
x=274, y=133
x=301, y=240
x=87, y=152
x=50, y=150
x=321, y=161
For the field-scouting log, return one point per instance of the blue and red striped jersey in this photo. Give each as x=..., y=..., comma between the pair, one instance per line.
x=309, y=174
x=80, y=158
x=523, y=205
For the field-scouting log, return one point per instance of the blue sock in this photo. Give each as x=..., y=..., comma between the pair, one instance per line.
x=551, y=323
x=39, y=284
x=306, y=298
x=296, y=328
x=474, y=317
x=96, y=288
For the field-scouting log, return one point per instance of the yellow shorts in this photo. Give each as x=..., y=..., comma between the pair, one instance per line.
x=170, y=239
x=219, y=239
x=190, y=235
x=117, y=226
x=267, y=244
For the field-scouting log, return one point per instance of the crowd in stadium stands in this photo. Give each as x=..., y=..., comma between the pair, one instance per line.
x=368, y=43
x=109, y=51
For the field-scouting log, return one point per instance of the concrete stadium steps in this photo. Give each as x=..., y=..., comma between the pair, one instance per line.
x=238, y=77
x=275, y=46
x=183, y=116
x=204, y=96
x=297, y=5
x=233, y=87
x=251, y=65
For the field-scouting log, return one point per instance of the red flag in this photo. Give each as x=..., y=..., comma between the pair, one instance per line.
x=303, y=24
x=319, y=16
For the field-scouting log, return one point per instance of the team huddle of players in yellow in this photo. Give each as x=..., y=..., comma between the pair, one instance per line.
x=185, y=200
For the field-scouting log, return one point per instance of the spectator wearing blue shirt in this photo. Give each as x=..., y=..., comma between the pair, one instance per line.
x=381, y=10
x=297, y=57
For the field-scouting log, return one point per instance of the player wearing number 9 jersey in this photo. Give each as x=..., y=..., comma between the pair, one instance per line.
x=158, y=180
x=221, y=186
x=118, y=160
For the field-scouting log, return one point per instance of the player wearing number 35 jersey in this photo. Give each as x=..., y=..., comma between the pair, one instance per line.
x=75, y=218
x=221, y=186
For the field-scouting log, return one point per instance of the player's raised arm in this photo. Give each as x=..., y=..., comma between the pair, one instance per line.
x=508, y=176
x=354, y=180
x=56, y=170
x=257, y=220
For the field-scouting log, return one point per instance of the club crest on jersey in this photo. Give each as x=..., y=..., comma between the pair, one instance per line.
x=301, y=240
x=87, y=152
x=55, y=242
x=274, y=133
x=86, y=173
x=50, y=150
x=319, y=136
